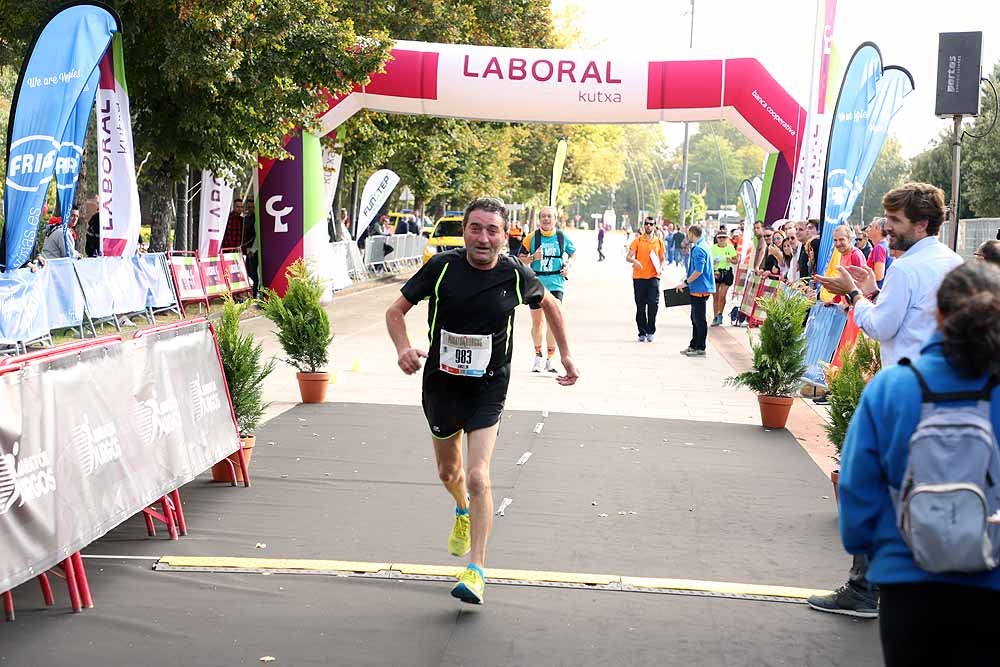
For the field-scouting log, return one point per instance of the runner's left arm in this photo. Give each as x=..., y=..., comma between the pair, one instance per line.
x=557, y=325
x=408, y=357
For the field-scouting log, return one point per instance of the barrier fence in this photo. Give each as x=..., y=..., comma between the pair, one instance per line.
x=80, y=293
x=156, y=414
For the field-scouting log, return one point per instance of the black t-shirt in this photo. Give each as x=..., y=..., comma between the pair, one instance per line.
x=465, y=300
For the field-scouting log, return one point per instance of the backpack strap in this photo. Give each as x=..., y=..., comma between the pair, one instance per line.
x=536, y=240
x=928, y=396
x=562, y=243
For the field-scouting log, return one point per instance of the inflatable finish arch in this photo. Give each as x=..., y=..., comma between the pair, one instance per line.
x=528, y=85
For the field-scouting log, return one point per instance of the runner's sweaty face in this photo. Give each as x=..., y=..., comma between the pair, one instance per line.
x=484, y=235
x=547, y=219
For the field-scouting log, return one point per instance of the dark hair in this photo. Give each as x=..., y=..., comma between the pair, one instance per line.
x=918, y=201
x=969, y=303
x=489, y=205
x=696, y=230
x=990, y=251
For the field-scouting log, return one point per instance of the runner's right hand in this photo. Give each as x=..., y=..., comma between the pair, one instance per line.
x=409, y=360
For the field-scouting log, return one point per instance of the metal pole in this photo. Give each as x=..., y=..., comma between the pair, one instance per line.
x=956, y=164
x=684, y=167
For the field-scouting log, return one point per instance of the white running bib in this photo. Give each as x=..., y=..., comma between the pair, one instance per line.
x=465, y=354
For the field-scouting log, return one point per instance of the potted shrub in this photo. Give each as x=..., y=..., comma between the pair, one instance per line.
x=303, y=330
x=778, y=356
x=858, y=365
x=245, y=375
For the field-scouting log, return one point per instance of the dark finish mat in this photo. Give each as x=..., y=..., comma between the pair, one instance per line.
x=152, y=618
x=357, y=482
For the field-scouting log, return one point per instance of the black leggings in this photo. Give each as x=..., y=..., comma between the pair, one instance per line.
x=938, y=624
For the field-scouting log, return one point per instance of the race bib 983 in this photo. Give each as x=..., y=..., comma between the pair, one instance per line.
x=465, y=354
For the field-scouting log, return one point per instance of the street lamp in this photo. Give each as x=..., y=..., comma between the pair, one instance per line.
x=697, y=177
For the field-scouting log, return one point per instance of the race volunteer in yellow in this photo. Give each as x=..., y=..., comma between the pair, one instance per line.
x=472, y=293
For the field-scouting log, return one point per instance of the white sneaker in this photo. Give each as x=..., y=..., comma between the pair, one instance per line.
x=550, y=367
x=539, y=364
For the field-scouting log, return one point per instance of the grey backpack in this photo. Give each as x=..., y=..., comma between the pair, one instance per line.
x=950, y=487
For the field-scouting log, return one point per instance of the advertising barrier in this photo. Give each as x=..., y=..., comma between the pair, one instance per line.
x=213, y=277
x=824, y=330
x=187, y=279
x=156, y=414
x=71, y=293
x=236, y=273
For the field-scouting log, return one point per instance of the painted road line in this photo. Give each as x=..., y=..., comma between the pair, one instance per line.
x=504, y=504
x=274, y=563
x=524, y=458
x=113, y=557
x=402, y=571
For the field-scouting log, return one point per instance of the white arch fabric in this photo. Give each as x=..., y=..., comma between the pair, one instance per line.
x=562, y=86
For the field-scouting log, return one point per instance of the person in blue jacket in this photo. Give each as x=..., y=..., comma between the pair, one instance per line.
x=924, y=618
x=700, y=282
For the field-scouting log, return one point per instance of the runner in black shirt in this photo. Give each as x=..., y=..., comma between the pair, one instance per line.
x=472, y=295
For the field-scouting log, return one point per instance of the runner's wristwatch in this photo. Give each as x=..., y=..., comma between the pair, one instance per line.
x=853, y=295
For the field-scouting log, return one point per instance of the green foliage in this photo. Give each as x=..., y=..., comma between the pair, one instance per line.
x=934, y=166
x=980, y=159
x=845, y=385
x=889, y=172
x=303, y=326
x=779, y=356
x=241, y=360
x=670, y=206
x=723, y=157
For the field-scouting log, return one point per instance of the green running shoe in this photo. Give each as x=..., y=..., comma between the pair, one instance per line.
x=471, y=586
x=459, y=542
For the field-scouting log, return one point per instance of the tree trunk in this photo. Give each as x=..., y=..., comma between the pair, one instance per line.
x=160, y=204
x=80, y=201
x=181, y=229
x=418, y=208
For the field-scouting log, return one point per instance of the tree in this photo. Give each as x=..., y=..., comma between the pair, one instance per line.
x=934, y=166
x=980, y=159
x=723, y=157
x=889, y=172
x=670, y=207
x=213, y=85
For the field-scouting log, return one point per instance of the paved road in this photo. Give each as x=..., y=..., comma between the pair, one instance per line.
x=649, y=467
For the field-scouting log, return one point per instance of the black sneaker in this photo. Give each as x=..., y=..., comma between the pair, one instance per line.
x=848, y=600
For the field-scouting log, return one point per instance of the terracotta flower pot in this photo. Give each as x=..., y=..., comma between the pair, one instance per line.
x=774, y=410
x=221, y=472
x=835, y=478
x=312, y=386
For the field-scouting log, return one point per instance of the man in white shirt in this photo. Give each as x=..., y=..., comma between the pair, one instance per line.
x=901, y=317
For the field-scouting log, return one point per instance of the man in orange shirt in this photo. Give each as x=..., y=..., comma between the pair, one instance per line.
x=646, y=254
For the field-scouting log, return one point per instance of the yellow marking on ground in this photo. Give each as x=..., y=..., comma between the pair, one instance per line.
x=493, y=574
x=724, y=587
x=427, y=570
x=273, y=563
x=553, y=577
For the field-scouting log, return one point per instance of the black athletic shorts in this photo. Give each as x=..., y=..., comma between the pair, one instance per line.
x=557, y=294
x=724, y=277
x=453, y=404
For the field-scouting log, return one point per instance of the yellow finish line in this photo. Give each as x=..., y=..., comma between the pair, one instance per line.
x=493, y=575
